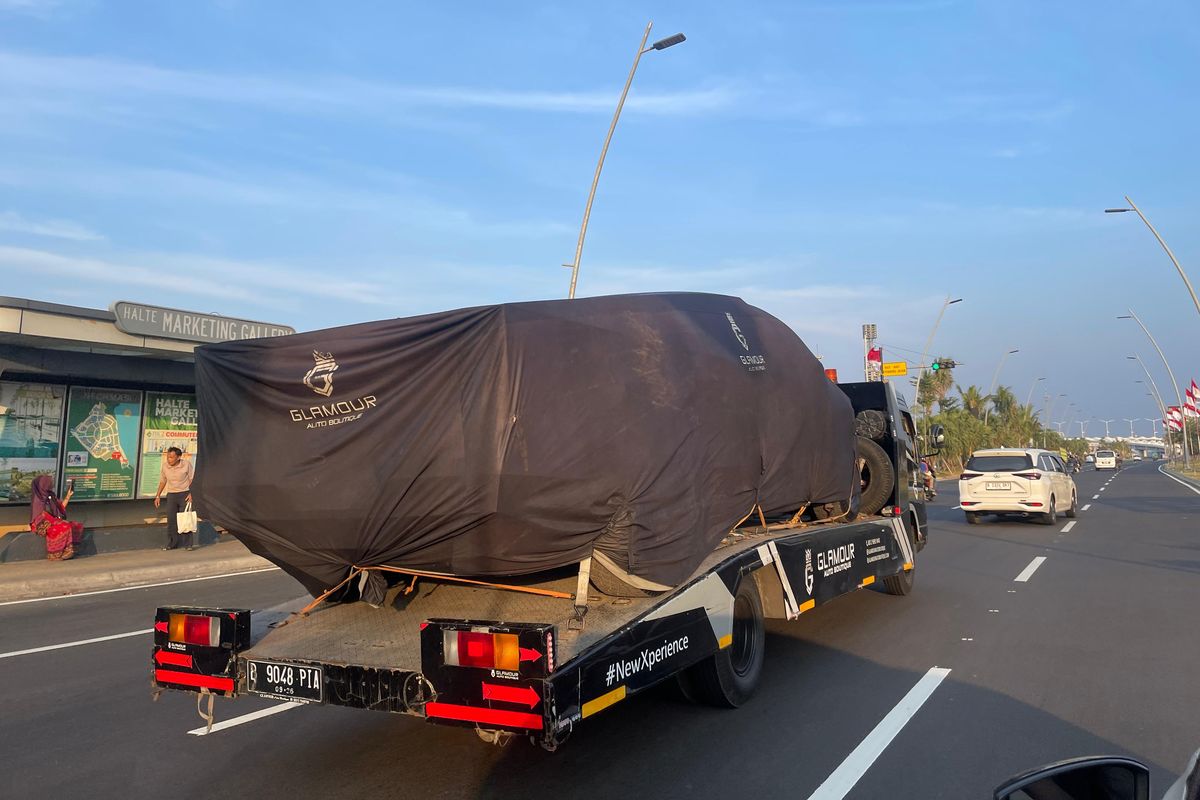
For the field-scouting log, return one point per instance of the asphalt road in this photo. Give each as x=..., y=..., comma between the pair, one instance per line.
x=1095, y=652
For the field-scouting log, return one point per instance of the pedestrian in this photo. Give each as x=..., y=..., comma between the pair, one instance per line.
x=176, y=478
x=48, y=519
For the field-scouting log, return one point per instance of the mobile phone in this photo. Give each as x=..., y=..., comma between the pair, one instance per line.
x=70, y=484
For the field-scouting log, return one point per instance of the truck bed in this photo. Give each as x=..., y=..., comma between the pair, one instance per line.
x=389, y=637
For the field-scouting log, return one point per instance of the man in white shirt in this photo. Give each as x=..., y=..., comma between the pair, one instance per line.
x=176, y=478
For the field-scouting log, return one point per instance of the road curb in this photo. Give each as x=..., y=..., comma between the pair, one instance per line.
x=1184, y=478
x=44, y=586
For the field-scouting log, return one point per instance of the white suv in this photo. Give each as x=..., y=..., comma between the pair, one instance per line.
x=1016, y=481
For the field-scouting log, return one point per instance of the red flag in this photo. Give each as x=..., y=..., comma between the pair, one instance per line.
x=875, y=354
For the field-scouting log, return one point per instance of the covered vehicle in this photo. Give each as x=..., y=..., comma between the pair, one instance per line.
x=510, y=439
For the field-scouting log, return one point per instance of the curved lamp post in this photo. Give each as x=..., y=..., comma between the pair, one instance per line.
x=661, y=44
x=1187, y=458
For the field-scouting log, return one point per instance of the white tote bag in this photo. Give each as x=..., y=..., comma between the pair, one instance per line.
x=187, y=521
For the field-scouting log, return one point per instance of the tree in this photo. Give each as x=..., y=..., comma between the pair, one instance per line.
x=974, y=402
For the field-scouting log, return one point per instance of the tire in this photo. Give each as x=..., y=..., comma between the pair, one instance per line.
x=871, y=424
x=835, y=509
x=1071, y=512
x=728, y=678
x=878, y=476
x=902, y=584
x=1051, y=516
x=972, y=517
x=611, y=585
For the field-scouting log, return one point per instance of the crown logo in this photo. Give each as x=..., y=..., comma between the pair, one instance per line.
x=320, y=377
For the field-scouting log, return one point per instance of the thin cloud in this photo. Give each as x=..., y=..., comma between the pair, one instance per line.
x=320, y=94
x=52, y=228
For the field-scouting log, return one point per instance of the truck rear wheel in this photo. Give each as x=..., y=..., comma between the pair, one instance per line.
x=878, y=476
x=902, y=584
x=729, y=677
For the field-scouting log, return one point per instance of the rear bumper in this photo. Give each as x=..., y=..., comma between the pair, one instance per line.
x=1007, y=505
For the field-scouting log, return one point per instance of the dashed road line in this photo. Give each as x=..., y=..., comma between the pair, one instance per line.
x=1085, y=508
x=842, y=780
x=1068, y=526
x=1027, y=573
x=32, y=650
x=1095, y=497
x=242, y=720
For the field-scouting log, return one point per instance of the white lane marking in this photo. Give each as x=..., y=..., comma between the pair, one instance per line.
x=242, y=720
x=1027, y=573
x=1068, y=526
x=75, y=644
x=1095, y=497
x=1085, y=508
x=1102, y=488
x=842, y=780
x=1181, y=483
x=139, y=586
x=955, y=508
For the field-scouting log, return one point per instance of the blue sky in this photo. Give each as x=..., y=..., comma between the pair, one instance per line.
x=832, y=162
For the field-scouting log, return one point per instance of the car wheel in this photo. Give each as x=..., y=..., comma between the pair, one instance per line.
x=1071, y=512
x=972, y=517
x=1051, y=516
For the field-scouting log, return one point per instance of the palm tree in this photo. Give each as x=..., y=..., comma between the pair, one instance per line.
x=974, y=401
x=1004, y=402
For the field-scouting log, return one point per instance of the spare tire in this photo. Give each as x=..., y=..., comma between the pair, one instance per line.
x=878, y=476
x=871, y=424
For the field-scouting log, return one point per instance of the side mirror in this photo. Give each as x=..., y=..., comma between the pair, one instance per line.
x=1107, y=777
x=937, y=435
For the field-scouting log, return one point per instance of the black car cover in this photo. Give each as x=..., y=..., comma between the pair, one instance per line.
x=516, y=438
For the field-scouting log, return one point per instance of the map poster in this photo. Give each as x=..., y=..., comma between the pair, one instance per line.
x=30, y=430
x=169, y=421
x=102, y=440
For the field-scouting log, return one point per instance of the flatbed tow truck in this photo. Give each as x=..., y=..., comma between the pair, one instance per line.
x=540, y=655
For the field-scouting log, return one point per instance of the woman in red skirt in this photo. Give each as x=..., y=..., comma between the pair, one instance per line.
x=48, y=518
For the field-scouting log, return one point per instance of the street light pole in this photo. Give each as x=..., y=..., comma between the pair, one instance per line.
x=1029, y=399
x=1130, y=421
x=1162, y=407
x=1187, y=458
x=1106, y=421
x=995, y=378
x=1170, y=255
x=662, y=44
x=929, y=342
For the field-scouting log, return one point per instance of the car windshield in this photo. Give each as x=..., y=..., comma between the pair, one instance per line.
x=1000, y=463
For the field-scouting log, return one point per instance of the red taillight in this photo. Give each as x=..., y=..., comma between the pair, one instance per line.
x=966, y=476
x=481, y=649
x=1031, y=476
x=194, y=629
x=1034, y=505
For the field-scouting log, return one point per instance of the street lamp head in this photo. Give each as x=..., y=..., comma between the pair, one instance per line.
x=1125, y=316
x=952, y=302
x=1116, y=210
x=670, y=41
x=1010, y=352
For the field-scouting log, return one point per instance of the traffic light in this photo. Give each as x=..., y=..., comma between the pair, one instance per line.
x=943, y=363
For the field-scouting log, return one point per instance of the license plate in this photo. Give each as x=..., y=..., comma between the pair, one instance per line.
x=285, y=681
x=999, y=485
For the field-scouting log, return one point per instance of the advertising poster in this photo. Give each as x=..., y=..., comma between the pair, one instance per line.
x=169, y=420
x=30, y=431
x=102, y=442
